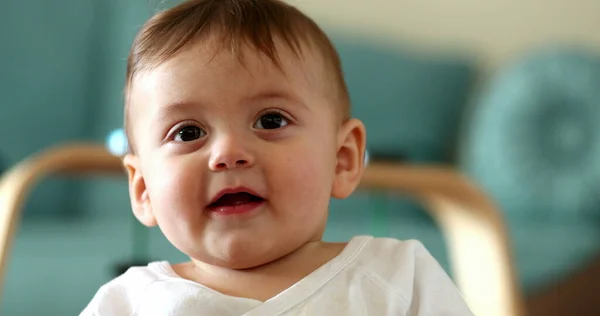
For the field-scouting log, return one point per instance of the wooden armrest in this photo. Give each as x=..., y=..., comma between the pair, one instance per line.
x=479, y=246
x=17, y=182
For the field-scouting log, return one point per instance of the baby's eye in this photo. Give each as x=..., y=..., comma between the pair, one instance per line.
x=189, y=133
x=271, y=121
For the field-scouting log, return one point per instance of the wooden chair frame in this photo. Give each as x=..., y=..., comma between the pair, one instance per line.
x=479, y=246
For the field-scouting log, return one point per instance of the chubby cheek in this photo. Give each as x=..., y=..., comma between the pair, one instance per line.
x=174, y=185
x=302, y=184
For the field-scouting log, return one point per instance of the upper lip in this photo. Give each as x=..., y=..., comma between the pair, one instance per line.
x=233, y=190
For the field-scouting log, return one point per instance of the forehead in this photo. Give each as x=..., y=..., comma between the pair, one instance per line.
x=203, y=68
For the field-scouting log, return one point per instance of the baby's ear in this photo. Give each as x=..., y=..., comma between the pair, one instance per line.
x=350, y=158
x=140, y=201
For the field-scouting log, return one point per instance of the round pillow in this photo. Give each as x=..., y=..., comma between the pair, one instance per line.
x=533, y=140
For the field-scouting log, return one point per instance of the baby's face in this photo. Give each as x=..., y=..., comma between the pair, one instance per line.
x=234, y=161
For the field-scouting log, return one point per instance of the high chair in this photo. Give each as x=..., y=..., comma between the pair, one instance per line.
x=479, y=246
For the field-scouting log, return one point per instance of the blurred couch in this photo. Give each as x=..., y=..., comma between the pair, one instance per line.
x=529, y=137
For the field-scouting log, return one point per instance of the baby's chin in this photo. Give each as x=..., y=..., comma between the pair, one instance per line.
x=238, y=262
x=240, y=254
x=243, y=264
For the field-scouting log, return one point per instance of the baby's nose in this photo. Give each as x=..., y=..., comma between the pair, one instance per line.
x=228, y=164
x=227, y=153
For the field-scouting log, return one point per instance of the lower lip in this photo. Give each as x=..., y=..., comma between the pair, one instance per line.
x=239, y=209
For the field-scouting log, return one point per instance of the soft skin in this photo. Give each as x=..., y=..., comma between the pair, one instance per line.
x=205, y=121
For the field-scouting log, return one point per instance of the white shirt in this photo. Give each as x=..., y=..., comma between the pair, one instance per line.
x=371, y=276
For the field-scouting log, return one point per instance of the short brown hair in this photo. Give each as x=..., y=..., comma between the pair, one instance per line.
x=238, y=22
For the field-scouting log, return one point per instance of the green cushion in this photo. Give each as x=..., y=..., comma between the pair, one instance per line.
x=533, y=140
x=410, y=103
x=45, y=74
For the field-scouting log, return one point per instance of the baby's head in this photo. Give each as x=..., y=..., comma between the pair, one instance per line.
x=238, y=118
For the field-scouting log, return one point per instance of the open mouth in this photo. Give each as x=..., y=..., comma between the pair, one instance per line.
x=235, y=199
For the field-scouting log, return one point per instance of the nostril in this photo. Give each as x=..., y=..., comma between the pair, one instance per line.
x=241, y=162
x=231, y=164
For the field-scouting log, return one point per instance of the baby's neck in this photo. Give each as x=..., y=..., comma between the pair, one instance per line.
x=263, y=282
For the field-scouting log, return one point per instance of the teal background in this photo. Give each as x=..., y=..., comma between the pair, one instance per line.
x=62, y=73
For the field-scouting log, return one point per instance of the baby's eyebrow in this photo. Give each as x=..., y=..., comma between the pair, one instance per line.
x=269, y=94
x=275, y=95
x=180, y=108
x=173, y=109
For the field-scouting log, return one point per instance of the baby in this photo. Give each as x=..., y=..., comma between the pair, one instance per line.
x=239, y=125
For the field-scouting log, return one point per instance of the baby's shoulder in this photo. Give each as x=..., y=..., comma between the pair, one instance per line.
x=121, y=295
x=380, y=253
x=399, y=264
x=406, y=270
